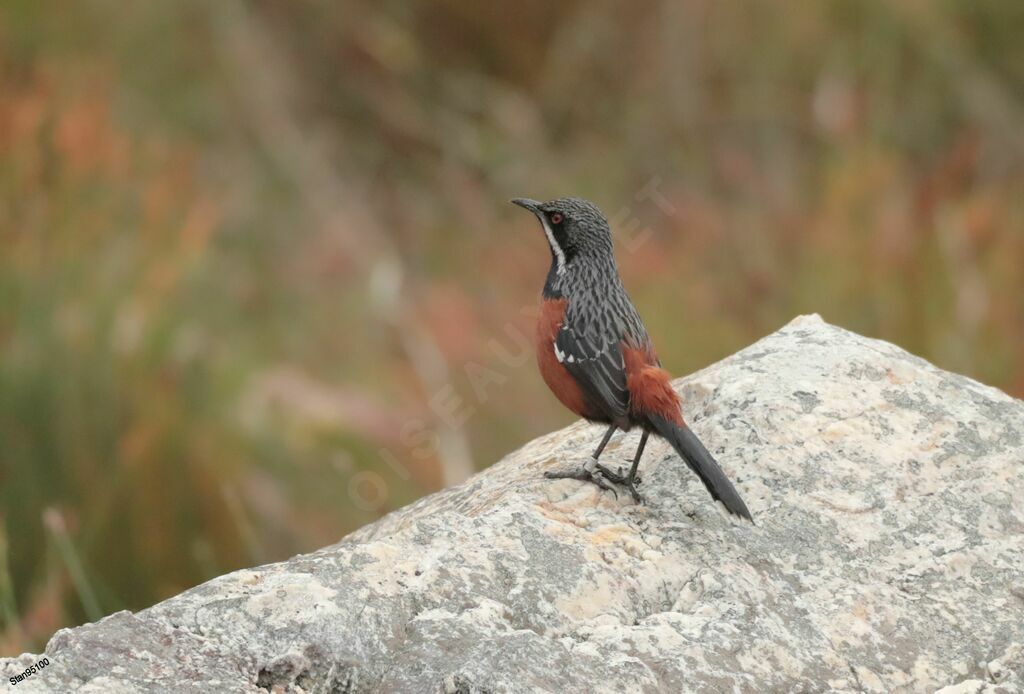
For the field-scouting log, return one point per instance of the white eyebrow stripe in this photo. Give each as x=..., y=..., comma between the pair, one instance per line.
x=555, y=248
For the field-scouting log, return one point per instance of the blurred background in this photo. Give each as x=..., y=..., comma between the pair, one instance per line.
x=260, y=283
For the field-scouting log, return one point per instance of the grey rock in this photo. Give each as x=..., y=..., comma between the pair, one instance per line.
x=888, y=556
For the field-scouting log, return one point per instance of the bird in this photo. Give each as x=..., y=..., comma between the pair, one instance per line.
x=595, y=355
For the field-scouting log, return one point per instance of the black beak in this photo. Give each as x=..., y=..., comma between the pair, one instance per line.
x=527, y=203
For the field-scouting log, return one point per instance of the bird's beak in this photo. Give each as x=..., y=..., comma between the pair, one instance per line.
x=527, y=203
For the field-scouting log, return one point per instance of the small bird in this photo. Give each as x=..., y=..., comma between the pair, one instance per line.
x=596, y=357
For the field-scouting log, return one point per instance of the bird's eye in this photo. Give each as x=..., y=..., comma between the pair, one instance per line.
x=556, y=218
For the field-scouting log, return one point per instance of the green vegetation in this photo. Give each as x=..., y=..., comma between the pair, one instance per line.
x=255, y=257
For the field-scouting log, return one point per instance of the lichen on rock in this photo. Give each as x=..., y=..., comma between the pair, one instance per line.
x=888, y=556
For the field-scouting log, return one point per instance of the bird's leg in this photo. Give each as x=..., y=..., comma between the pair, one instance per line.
x=618, y=476
x=629, y=480
x=591, y=471
x=600, y=447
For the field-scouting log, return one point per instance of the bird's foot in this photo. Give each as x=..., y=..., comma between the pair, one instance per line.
x=631, y=486
x=590, y=472
x=619, y=477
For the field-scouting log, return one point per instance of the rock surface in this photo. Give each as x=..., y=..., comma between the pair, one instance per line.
x=888, y=556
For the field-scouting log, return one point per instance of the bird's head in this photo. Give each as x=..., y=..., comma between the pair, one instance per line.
x=574, y=228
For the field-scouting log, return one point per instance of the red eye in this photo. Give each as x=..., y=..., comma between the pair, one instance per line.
x=556, y=218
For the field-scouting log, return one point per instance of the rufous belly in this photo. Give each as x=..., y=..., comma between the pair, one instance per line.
x=559, y=380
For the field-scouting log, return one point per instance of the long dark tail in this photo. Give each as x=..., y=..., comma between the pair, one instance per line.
x=689, y=447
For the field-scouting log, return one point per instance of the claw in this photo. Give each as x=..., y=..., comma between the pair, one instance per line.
x=595, y=476
x=599, y=480
x=618, y=478
x=615, y=476
x=634, y=493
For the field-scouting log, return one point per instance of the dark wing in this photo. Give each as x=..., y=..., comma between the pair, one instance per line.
x=594, y=358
